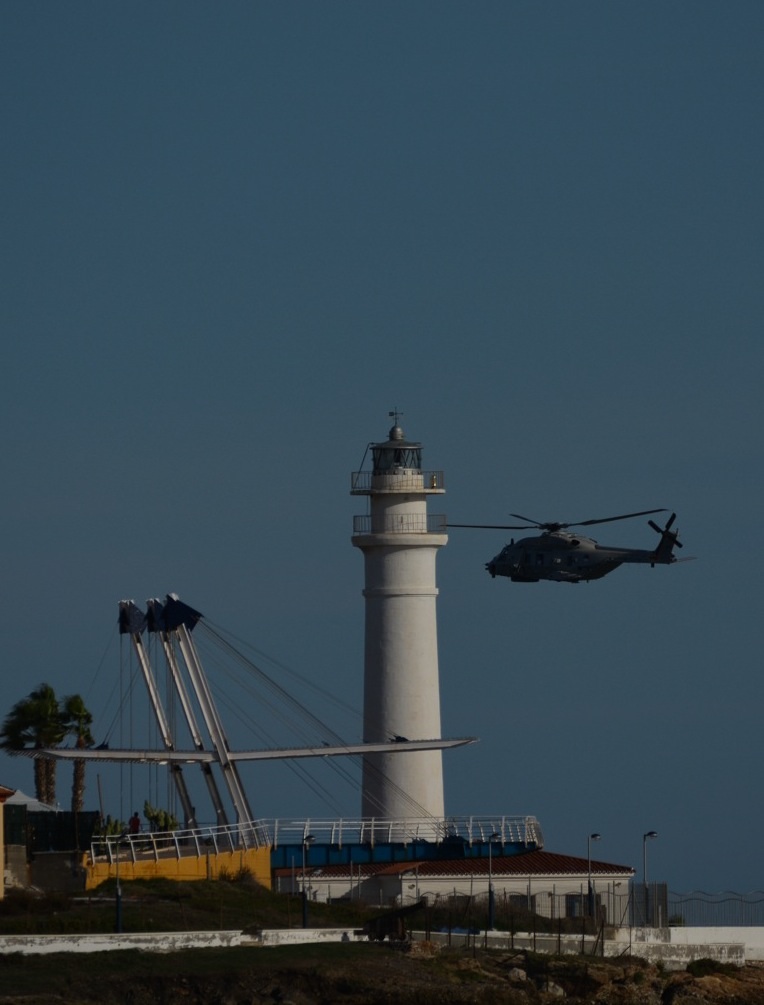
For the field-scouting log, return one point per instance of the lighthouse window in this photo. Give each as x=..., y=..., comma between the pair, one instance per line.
x=390, y=458
x=408, y=457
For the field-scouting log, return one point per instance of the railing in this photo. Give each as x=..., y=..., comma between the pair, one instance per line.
x=403, y=523
x=198, y=841
x=374, y=830
x=511, y=830
x=364, y=482
x=191, y=842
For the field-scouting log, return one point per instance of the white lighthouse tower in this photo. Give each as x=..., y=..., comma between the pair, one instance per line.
x=400, y=542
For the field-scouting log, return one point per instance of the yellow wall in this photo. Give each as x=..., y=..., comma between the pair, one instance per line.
x=210, y=866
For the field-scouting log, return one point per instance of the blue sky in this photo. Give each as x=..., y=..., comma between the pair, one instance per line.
x=235, y=236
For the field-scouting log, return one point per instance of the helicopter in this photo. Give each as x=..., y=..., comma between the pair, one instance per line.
x=564, y=557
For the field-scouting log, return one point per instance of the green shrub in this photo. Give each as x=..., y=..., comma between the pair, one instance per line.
x=705, y=966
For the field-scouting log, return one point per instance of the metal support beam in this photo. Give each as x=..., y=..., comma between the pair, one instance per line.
x=129, y=619
x=214, y=724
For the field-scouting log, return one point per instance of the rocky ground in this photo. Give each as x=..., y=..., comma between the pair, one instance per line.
x=365, y=974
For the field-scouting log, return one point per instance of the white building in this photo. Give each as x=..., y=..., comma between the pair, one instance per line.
x=540, y=882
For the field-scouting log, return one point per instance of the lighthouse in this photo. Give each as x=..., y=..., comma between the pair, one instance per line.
x=400, y=542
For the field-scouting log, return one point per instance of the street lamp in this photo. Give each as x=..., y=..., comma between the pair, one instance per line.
x=645, y=838
x=492, y=838
x=590, y=888
x=305, y=842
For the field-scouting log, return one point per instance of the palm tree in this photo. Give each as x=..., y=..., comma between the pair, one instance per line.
x=77, y=721
x=36, y=721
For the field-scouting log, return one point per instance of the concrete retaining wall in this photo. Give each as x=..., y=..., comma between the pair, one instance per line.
x=553, y=944
x=642, y=940
x=674, y=947
x=676, y=957
x=657, y=948
x=166, y=942
x=155, y=942
x=298, y=936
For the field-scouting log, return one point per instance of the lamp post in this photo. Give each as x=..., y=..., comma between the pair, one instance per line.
x=305, y=842
x=590, y=888
x=491, y=909
x=645, y=838
x=118, y=892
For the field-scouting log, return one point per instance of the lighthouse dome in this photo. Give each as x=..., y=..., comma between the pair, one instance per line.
x=396, y=454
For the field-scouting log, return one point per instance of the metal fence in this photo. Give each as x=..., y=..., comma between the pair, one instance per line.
x=716, y=909
x=655, y=906
x=546, y=912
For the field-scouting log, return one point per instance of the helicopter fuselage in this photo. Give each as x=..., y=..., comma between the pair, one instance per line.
x=567, y=558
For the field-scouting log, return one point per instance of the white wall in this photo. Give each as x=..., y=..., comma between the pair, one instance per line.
x=544, y=892
x=158, y=942
x=752, y=938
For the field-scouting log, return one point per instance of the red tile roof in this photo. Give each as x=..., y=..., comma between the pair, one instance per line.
x=532, y=863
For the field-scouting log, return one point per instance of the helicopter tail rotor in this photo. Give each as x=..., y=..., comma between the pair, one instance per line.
x=664, y=553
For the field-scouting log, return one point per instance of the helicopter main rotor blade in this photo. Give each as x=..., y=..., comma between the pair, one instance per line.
x=519, y=516
x=553, y=525
x=609, y=519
